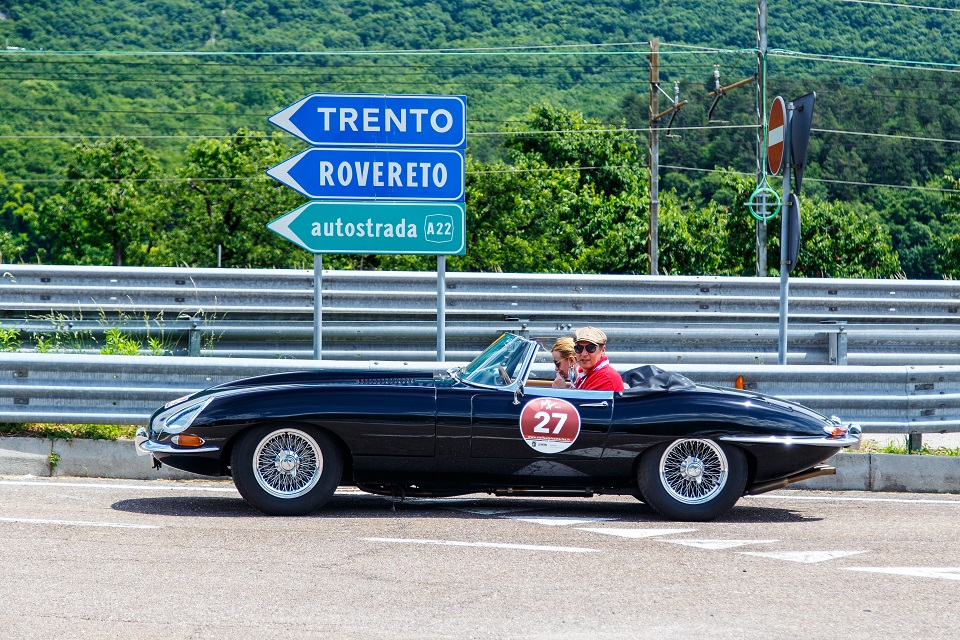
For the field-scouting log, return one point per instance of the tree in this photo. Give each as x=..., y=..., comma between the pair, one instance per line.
x=571, y=198
x=842, y=240
x=225, y=200
x=949, y=243
x=109, y=212
x=15, y=207
x=520, y=218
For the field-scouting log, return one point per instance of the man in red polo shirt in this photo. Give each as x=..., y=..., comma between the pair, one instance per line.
x=591, y=350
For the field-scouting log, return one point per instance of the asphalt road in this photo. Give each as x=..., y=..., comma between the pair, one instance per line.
x=107, y=559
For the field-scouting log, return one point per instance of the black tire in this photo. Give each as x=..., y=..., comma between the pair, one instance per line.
x=286, y=470
x=692, y=480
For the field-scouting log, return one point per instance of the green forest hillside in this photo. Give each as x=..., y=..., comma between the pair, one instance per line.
x=173, y=75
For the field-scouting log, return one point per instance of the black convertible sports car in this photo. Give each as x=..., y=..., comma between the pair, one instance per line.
x=689, y=451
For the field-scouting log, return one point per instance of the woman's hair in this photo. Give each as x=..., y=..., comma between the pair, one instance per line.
x=564, y=345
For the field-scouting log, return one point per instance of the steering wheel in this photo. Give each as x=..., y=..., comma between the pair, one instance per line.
x=504, y=375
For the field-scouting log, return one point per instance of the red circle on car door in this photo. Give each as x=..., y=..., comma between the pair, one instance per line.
x=549, y=425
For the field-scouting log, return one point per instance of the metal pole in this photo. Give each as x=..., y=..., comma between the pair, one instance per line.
x=785, y=238
x=317, y=305
x=441, y=308
x=761, y=129
x=654, y=234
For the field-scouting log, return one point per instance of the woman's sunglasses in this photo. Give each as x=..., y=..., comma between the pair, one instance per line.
x=589, y=347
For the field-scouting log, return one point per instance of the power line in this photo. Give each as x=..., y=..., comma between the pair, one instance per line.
x=944, y=67
x=492, y=171
x=887, y=135
x=468, y=52
x=268, y=135
x=811, y=179
x=897, y=4
x=482, y=133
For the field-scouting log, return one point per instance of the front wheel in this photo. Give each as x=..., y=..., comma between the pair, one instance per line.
x=286, y=471
x=692, y=480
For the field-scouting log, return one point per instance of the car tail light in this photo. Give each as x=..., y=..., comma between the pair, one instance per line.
x=739, y=383
x=185, y=440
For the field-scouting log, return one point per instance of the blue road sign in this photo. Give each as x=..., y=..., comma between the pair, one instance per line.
x=432, y=228
x=375, y=174
x=357, y=120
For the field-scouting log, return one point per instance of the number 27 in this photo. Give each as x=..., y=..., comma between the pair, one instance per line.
x=544, y=418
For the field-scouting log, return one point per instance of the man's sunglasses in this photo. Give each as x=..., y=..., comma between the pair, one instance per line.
x=589, y=347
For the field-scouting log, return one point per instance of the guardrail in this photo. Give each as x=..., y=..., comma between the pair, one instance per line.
x=126, y=390
x=703, y=343
x=555, y=297
x=391, y=315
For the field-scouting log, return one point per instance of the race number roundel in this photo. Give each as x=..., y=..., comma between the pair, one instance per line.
x=549, y=425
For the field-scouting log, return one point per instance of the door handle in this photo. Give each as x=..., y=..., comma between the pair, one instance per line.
x=598, y=405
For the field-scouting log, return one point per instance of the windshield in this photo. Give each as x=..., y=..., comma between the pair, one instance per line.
x=507, y=355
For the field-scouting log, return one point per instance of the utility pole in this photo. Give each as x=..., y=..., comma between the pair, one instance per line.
x=654, y=235
x=761, y=131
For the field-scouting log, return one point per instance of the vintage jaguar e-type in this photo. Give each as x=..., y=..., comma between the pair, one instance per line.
x=689, y=451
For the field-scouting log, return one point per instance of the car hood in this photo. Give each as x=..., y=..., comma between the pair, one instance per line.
x=772, y=401
x=323, y=377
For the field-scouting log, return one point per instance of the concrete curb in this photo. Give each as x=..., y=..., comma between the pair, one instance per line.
x=20, y=456
x=889, y=472
x=116, y=459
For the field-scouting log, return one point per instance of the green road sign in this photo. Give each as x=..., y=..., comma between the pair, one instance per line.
x=433, y=228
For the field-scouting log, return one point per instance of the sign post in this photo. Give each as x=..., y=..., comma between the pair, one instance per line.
x=789, y=142
x=317, y=305
x=385, y=174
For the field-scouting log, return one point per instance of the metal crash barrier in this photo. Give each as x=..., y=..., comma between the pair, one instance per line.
x=368, y=315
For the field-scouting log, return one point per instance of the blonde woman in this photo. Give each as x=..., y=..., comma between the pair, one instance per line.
x=565, y=361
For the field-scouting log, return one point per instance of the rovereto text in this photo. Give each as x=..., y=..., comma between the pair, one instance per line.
x=382, y=174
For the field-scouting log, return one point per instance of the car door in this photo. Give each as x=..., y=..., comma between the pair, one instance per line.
x=540, y=423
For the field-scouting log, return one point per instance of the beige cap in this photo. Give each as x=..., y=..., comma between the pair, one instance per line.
x=590, y=334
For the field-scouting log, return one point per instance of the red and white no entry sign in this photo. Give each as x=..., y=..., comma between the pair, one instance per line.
x=776, y=129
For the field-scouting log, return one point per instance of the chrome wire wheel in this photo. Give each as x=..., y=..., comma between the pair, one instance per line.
x=693, y=471
x=288, y=463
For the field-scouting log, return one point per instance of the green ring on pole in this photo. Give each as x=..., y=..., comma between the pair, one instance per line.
x=753, y=203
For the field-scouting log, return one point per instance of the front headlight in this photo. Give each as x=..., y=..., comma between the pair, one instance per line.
x=179, y=419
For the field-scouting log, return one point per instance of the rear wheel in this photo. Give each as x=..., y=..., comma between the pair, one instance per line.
x=692, y=480
x=286, y=471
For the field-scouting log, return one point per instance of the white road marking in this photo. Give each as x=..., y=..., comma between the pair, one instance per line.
x=853, y=499
x=715, y=545
x=947, y=573
x=103, y=485
x=558, y=521
x=801, y=556
x=493, y=545
x=636, y=533
x=80, y=523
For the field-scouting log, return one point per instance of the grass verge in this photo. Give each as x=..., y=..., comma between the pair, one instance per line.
x=69, y=431
x=900, y=446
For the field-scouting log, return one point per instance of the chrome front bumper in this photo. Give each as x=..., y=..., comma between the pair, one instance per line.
x=852, y=439
x=145, y=446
